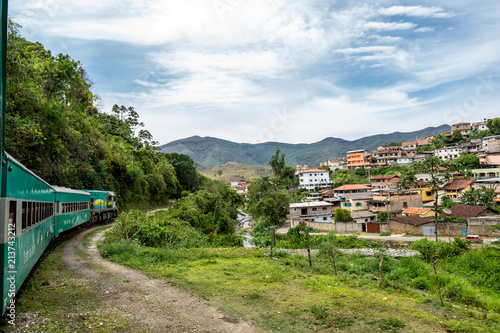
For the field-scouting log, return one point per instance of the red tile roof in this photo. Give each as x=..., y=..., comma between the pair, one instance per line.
x=416, y=211
x=457, y=184
x=352, y=187
x=413, y=220
x=385, y=177
x=466, y=211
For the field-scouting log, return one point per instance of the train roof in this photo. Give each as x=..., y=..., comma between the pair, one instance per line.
x=9, y=157
x=100, y=191
x=61, y=189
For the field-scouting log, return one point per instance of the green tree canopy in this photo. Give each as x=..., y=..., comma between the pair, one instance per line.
x=342, y=215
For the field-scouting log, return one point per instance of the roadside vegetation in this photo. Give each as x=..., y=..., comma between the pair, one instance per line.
x=284, y=293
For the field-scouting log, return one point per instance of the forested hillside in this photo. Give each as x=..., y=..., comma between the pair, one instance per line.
x=54, y=128
x=212, y=152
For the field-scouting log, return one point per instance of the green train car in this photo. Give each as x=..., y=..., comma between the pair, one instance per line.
x=33, y=212
x=27, y=224
x=72, y=208
x=103, y=205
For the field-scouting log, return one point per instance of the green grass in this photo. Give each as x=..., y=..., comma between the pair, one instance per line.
x=285, y=294
x=88, y=238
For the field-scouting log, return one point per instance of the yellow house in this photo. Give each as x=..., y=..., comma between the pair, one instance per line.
x=426, y=191
x=455, y=188
x=356, y=202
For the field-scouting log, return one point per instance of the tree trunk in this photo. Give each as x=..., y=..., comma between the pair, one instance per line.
x=309, y=248
x=436, y=215
x=380, y=269
x=435, y=273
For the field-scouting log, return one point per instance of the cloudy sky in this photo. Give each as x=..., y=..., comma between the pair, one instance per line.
x=280, y=70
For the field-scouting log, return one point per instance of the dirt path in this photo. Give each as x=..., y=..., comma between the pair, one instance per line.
x=152, y=304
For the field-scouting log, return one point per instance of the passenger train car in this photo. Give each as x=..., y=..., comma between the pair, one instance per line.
x=33, y=212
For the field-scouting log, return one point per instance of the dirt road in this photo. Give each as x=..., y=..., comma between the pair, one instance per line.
x=145, y=304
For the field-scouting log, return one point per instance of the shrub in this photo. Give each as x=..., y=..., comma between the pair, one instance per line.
x=441, y=250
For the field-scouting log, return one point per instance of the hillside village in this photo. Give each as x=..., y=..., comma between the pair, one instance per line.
x=409, y=210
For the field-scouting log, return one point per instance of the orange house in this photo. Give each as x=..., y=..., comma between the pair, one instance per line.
x=358, y=158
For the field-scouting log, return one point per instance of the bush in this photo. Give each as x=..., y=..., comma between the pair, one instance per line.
x=441, y=250
x=157, y=230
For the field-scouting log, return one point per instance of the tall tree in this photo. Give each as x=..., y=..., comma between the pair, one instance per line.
x=439, y=173
x=277, y=163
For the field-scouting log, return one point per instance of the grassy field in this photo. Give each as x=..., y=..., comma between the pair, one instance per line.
x=285, y=294
x=233, y=171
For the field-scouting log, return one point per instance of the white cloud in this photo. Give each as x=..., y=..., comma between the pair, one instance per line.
x=368, y=49
x=425, y=29
x=416, y=11
x=221, y=71
x=390, y=26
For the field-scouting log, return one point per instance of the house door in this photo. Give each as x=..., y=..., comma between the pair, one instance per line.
x=464, y=231
x=363, y=227
x=429, y=231
x=373, y=227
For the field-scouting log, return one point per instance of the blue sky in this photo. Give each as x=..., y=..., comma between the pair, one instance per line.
x=280, y=70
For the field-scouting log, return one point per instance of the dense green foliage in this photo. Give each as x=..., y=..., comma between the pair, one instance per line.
x=157, y=230
x=342, y=215
x=203, y=218
x=54, y=128
x=185, y=170
x=354, y=176
x=482, y=196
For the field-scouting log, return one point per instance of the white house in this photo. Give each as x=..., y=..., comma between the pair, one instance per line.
x=310, y=179
x=448, y=153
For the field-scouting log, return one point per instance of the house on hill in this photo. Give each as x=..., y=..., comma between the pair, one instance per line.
x=385, y=181
x=317, y=214
x=455, y=188
x=313, y=178
x=468, y=211
x=358, y=158
x=413, y=225
x=464, y=128
x=416, y=211
x=341, y=191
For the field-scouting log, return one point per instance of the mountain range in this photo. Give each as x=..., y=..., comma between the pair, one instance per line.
x=209, y=151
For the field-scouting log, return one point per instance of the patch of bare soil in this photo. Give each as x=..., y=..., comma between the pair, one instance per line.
x=153, y=305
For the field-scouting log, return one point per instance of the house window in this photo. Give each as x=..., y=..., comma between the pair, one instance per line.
x=325, y=218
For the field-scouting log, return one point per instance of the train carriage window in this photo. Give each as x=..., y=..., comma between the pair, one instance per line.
x=24, y=217
x=29, y=214
x=38, y=212
x=12, y=217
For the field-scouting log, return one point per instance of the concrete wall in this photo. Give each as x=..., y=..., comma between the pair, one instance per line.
x=481, y=226
x=315, y=225
x=348, y=227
